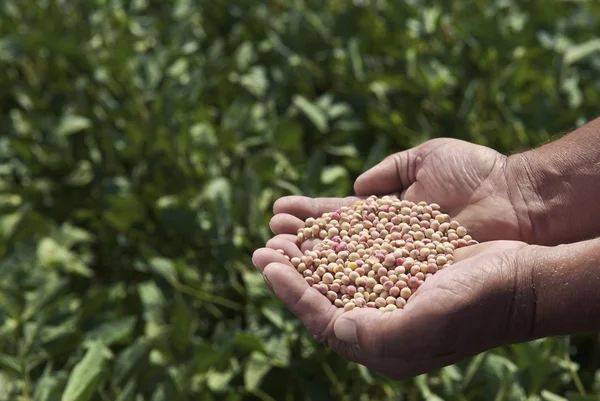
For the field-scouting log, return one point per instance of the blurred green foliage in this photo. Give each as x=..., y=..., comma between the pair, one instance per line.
x=143, y=143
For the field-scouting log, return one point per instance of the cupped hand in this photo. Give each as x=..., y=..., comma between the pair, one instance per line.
x=474, y=184
x=478, y=303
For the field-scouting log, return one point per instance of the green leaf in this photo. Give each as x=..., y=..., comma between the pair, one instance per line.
x=164, y=268
x=10, y=363
x=249, y=342
x=256, y=368
x=219, y=381
x=550, y=396
x=312, y=112
x=128, y=393
x=71, y=124
x=578, y=52
x=82, y=175
x=130, y=358
x=86, y=374
x=331, y=174
x=112, y=331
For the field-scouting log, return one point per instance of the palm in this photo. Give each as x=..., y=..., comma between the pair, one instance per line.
x=447, y=319
x=468, y=181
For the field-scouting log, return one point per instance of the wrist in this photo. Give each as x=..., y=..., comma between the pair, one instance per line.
x=555, y=186
x=529, y=207
x=546, y=191
x=561, y=289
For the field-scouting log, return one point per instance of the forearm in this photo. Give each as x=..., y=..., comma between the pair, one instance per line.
x=559, y=186
x=565, y=288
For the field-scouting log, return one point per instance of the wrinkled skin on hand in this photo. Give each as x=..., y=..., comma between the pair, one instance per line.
x=482, y=301
x=474, y=305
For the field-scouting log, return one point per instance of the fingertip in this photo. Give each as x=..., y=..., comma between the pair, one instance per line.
x=264, y=256
x=284, y=243
x=284, y=223
x=381, y=179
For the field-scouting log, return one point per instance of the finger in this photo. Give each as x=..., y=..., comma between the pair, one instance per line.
x=280, y=242
x=416, y=193
x=310, y=244
x=264, y=256
x=304, y=207
x=486, y=248
x=313, y=309
x=367, y=328
x=395, y=173
x=284, y=223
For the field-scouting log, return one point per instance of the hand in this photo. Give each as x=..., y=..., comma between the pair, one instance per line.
x=470, y=183
x=480, y=302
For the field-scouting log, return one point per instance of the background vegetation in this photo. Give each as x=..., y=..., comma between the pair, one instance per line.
x=143, y=143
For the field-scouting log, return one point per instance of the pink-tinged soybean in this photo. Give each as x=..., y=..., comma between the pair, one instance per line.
x=394, y=292
x=371, y=282
x=309, y=280
x=351, y=290
x=400, y=303
x=420, y=276
x=380, y=302
x=399, y=270
x=387, y=286
x=378, y=289
x=332, y=296
x=389, y=261
x=413, y=282
x=328, y=278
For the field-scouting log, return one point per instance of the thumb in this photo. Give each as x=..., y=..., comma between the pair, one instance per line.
x=395, y=173
x=369, y=329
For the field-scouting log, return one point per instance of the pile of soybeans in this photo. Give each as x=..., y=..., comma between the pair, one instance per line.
x=378, y=252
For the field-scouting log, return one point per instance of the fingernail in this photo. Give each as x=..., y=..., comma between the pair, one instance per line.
x=345, y=330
